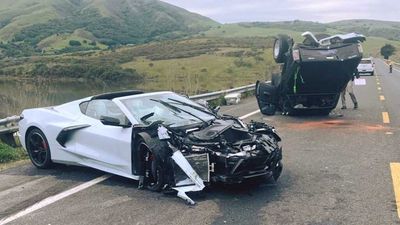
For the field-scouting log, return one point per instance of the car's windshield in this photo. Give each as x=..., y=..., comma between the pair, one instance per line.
x=172, y=109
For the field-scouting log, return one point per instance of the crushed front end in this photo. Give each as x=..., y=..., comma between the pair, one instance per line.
x=226, y=151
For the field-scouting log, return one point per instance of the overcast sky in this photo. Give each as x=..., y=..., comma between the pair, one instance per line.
x=229, y=11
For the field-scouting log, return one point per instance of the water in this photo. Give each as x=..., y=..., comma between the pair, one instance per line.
x=16, y=95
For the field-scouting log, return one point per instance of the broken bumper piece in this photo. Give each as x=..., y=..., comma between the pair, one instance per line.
x=193, y=183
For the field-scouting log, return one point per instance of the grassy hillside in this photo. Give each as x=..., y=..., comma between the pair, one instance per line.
x=59, y=42
x=17, y=14
x=384, y=29
x=191, y=66
x=294, y=29
x=238, y=30
x=30, y=26
x=206, y=72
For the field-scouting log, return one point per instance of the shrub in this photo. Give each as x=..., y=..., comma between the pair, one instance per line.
x=74, y=43
x=8, y=153
x=88, y=71
x=241, y=63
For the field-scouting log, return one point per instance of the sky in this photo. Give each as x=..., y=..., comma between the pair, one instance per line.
x=231, y=11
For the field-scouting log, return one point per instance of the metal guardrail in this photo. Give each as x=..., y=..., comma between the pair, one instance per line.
x=9, y=120
x=8, y=127
x=217, y=94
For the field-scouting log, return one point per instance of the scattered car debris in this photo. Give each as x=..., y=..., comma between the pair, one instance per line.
x=233, y=98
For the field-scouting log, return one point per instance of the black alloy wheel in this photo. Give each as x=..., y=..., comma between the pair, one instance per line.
x=38, y=149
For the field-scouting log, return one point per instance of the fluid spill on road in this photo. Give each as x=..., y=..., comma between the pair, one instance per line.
x=335, y=124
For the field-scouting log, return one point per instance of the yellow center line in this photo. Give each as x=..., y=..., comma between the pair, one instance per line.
x=385, y=116
x=382, y=98
x=395, y=169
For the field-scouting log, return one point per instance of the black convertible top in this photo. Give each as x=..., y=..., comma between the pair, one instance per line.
x=112, y=95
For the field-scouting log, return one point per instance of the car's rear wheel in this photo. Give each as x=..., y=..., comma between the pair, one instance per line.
x=154, y=176
x=38, y=149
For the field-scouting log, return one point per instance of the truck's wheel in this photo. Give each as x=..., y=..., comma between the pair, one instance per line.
x=281, y=46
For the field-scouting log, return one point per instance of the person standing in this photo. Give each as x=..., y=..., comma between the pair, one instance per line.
x=390, y=67
x=349, y=89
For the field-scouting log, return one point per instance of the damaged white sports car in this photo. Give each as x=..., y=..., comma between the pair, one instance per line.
x=162, y=139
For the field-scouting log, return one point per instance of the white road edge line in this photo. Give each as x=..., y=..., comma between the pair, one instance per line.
x=47, y=201
x=250, y=114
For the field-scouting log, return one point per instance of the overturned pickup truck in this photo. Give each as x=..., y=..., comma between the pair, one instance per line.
x=312, y=75
x=166, y=141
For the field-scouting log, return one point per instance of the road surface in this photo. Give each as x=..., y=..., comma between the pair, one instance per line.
x=337, y=170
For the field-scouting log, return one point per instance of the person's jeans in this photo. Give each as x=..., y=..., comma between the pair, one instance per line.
x=350, y=90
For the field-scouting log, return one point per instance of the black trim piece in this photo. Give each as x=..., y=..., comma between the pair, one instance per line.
x=118, y=94
x=65, y=134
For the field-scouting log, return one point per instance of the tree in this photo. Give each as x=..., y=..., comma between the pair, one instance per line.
x=387, y=51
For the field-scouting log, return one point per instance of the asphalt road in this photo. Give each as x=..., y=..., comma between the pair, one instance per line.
x=337, y=170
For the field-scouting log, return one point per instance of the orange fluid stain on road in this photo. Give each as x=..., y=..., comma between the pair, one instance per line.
x=336, y=124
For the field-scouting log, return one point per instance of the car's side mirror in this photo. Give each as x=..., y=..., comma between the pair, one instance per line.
x=111, y=121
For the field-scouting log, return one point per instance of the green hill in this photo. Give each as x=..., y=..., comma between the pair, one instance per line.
x=384, y=29
x=106, y=22
x=378, y=33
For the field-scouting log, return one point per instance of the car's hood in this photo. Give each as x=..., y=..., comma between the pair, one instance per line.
x=231, y=132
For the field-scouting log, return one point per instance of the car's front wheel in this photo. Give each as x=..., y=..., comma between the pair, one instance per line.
x=38, y=149
x=277, y=171
x=154, y=173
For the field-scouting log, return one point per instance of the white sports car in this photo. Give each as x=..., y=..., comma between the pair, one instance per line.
x=164, y=140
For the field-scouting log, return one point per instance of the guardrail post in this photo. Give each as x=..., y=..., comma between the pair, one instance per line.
x=8, y=139
x=8, y=127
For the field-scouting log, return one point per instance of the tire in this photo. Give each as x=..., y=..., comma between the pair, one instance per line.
x=277, y=171
x=38, y=149
x=372, y=73
x=266, y=94
x=281, y=46
x=154, y=172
